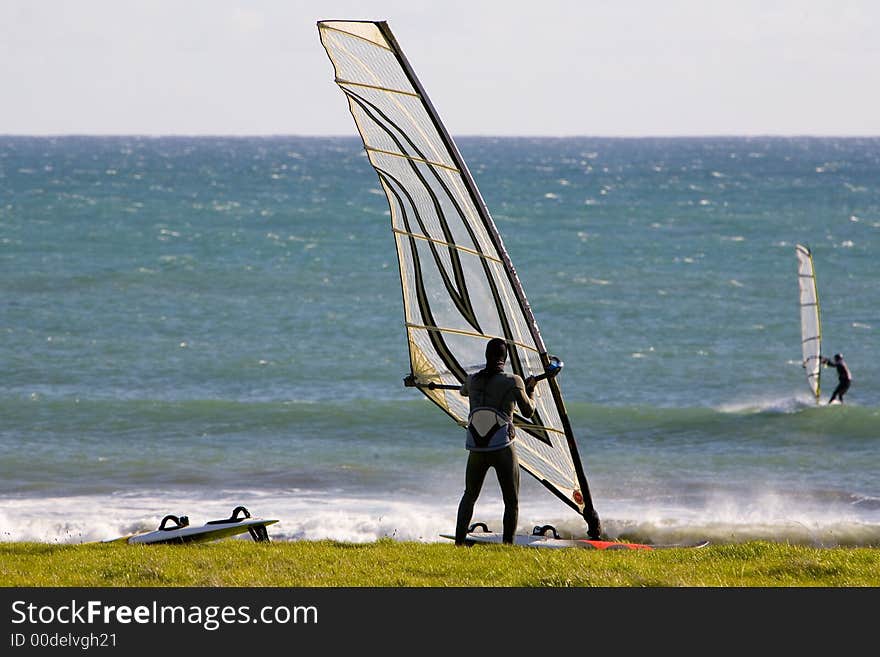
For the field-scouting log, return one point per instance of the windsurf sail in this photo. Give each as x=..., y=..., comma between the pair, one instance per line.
x=459, y=285
x=811, y=325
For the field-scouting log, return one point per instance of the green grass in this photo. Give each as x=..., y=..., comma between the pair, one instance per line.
x=389, y=563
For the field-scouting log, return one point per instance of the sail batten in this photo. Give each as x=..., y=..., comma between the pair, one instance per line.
x=451, y=245
x=441, y=329
x=459, y=286
x=354, y=31
x=349, y=83
x=411, y=158
x=811, y=325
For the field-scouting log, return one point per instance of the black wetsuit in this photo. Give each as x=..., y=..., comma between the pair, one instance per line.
x=844, y=378
x=503, y=392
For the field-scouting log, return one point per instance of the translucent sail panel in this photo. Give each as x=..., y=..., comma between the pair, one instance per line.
x=445, y=348
x=811, y=329
x=459, y=287
x=390, y=114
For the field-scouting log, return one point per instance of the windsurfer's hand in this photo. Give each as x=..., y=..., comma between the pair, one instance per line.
x=530, y=385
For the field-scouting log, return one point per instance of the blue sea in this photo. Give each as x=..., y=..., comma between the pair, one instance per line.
x=193, y=324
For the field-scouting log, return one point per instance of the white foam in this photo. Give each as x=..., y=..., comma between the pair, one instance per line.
x=304, y=515
x=787, y=404
x=301, y=516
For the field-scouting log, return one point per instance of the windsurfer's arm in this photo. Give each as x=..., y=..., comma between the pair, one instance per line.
x=524, y=391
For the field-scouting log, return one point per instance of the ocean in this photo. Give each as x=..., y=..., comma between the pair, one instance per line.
x=193, y=324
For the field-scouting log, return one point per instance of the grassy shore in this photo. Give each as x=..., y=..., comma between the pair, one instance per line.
x=389, y=563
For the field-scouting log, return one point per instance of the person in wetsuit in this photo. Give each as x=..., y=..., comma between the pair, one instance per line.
x=844, y=377
x=493, y=395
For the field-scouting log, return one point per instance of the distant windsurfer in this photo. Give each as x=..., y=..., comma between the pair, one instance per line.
x=493, y=395
x=844, y=377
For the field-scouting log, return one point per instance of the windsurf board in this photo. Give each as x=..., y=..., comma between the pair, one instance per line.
x=176, y=529
x=540, y=539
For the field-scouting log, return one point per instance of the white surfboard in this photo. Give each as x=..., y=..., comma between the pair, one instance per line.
x=174, y=529
x=546, y=537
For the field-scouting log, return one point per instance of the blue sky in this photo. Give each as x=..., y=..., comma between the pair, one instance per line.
x=554, y=67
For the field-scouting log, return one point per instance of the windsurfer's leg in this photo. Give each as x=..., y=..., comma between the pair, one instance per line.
x=507, y=469
x=837, y=394
x=475, y=473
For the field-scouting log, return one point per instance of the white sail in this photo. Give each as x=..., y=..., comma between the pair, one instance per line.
x=459, y=285
x=811, y=326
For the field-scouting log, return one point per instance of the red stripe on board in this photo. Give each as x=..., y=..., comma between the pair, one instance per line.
x=615, y=545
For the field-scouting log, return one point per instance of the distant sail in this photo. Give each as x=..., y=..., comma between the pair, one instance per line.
x=811, y=326
x=459, y=285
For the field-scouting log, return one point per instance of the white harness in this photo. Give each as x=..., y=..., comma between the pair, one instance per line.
x=488, y=429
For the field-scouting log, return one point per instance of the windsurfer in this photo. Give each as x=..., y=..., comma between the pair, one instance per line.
x=493, y=396
x=844, y=377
